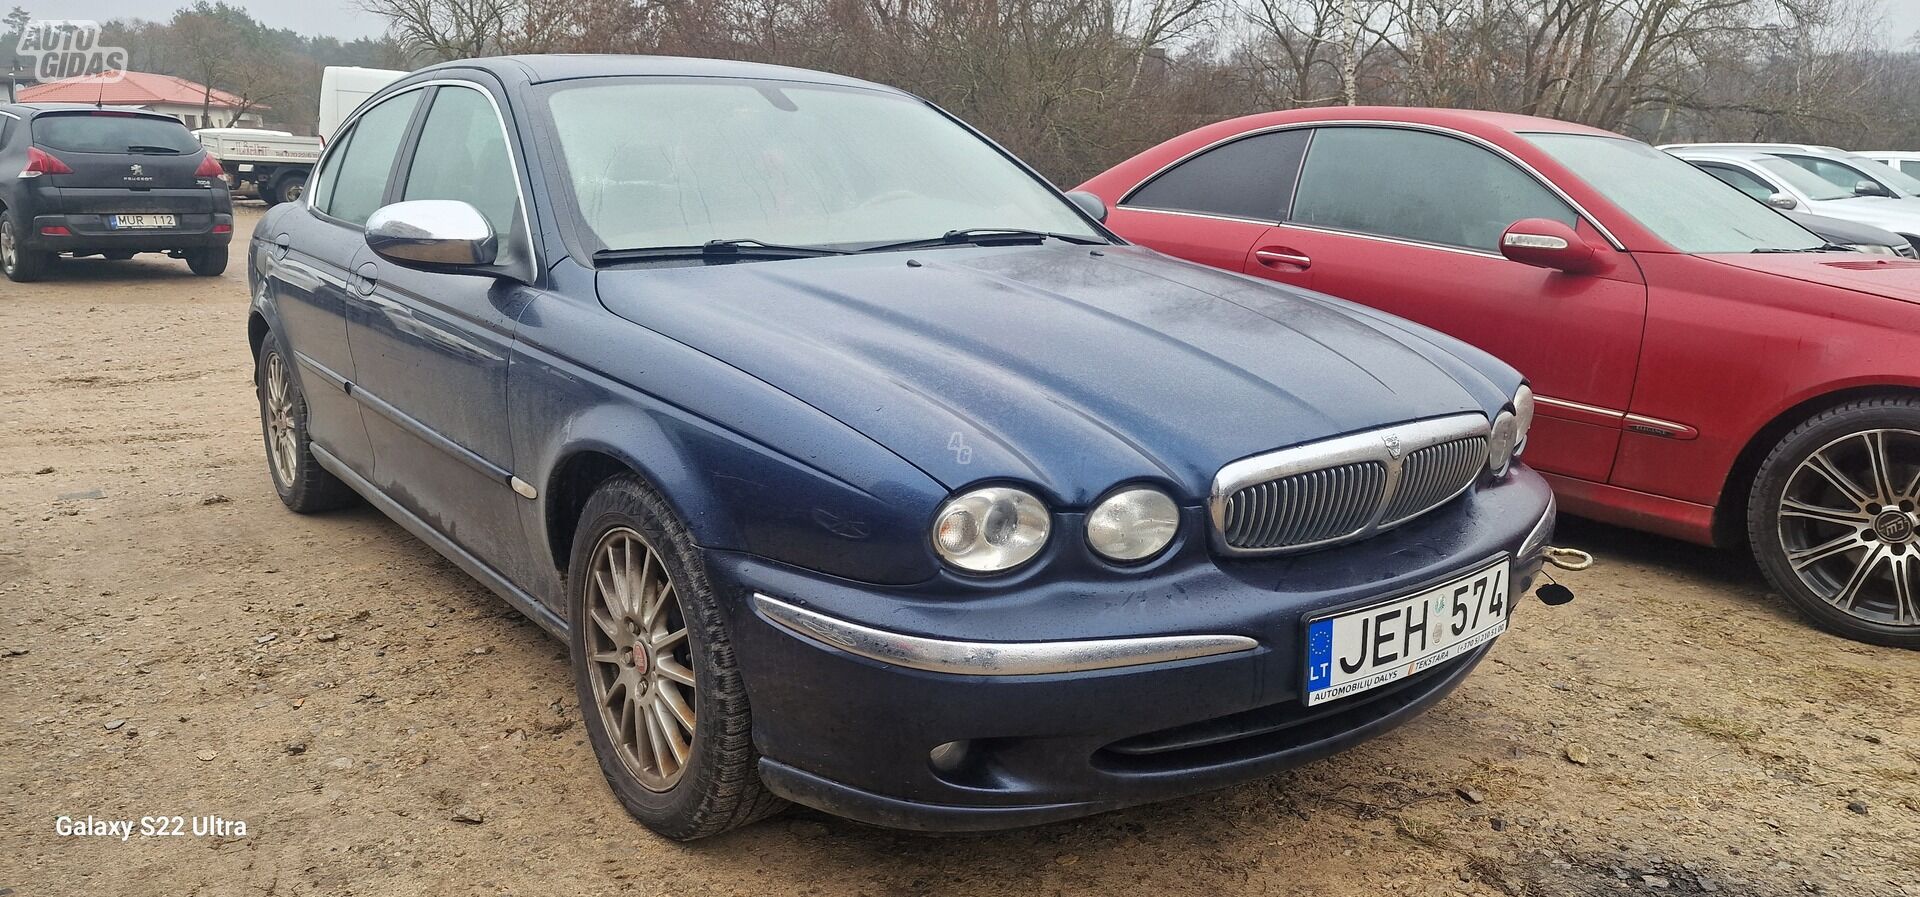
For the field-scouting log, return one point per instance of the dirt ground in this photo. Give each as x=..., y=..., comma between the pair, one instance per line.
x=175, y=642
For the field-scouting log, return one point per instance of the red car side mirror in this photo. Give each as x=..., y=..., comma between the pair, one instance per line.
x=1545, y=243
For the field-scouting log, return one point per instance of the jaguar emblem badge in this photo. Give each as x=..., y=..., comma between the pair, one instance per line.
x=1393, y=445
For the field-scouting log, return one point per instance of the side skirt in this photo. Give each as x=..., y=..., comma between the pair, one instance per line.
x=475, y=567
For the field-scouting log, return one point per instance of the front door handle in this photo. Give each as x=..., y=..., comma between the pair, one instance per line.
x=1282, y=258
x=368, y=277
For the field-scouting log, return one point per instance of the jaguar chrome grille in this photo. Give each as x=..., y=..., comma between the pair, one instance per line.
x=1306, y=507
x=1345, y=488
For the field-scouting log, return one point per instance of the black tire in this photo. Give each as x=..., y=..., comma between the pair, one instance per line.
x=718, y=786
x=303, y=485
x=1862, y=533
x=20, y=264
x=286, y=187
x=208, y=262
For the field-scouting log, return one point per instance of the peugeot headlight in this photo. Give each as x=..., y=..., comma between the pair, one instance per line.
x=1133, y=524
x=991, y=529
x=1509, y=435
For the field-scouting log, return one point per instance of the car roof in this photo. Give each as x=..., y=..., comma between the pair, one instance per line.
x=544, y=68
x=1470, y=121
x=1726, y=154
x=1804, y=148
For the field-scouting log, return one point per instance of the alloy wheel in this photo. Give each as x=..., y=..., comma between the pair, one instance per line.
x=282, y=441
x=640, y=659
x=1849, y=522
x=8, y=251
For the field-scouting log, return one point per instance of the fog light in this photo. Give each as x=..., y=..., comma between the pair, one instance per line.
x=949, y=757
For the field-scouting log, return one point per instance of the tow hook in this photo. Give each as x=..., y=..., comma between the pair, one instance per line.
x=1554, y=594
x=1568, y=558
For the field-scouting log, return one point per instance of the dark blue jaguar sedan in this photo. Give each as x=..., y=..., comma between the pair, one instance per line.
x=860, y=467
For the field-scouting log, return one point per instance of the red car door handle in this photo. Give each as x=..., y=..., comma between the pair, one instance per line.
x=1281, y=257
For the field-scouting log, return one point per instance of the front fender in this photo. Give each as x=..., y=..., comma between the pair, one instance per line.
x=748, y=467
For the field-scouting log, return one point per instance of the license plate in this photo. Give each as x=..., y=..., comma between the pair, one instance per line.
x=127, y=222
x=1351, y=651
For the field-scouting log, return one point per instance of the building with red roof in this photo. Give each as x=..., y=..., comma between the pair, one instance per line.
x=195, y=104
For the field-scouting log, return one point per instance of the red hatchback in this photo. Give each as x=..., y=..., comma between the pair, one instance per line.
x=1703, y=367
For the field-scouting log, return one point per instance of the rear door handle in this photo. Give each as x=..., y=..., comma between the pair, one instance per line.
x=1282, y=257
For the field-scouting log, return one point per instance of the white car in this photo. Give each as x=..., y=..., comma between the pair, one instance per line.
x=1784, y=184
x=1907, y=163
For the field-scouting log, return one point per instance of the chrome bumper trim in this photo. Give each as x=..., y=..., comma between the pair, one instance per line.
x=1535, y=545
x=994, y=658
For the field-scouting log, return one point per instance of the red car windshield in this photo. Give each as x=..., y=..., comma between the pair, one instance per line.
x=1690, y=210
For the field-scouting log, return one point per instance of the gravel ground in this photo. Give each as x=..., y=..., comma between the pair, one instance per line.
x=174, y=642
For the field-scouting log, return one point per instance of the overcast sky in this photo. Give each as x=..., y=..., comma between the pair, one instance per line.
x=342, y=19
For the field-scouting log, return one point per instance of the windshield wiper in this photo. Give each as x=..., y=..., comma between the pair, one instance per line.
x=744, y=248
x=150, y=149
x=1829, y=247
x=986, y=236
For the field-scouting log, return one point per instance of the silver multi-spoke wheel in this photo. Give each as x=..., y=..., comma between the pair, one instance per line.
x=639, y=659
x=283, y=447
x=1850, y=527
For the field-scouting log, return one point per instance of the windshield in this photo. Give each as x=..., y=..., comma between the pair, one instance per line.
x=112, y=132
x=1814, y=186
x=679, y=163
x=1680, y=204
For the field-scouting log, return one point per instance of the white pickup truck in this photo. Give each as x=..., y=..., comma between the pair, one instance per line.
x=275, y=165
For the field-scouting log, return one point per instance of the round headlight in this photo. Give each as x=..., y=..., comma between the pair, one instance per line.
x=992, y=529
x=1501, y=442
x=1523, y=417
x=1133, y=524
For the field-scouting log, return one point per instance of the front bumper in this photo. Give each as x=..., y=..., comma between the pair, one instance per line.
x=1077, y=697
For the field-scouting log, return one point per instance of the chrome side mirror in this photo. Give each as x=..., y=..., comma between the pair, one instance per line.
x=1090, y=204
x=440, y=234
x=1783, y=201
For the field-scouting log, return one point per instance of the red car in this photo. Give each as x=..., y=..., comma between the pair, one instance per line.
x=1703, y=367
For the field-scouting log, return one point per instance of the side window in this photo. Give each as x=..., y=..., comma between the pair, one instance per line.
x=320, y=187
x=1832, y=172
x=1417, y=185
x=462, y=154
x=360, y=183
x=1741, y=181
x=1249, y=178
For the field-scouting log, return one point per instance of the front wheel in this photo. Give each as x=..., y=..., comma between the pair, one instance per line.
x=1834, y=520
x=653, y=667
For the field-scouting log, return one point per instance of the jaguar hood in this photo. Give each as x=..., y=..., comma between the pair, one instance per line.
x=1062, y=366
